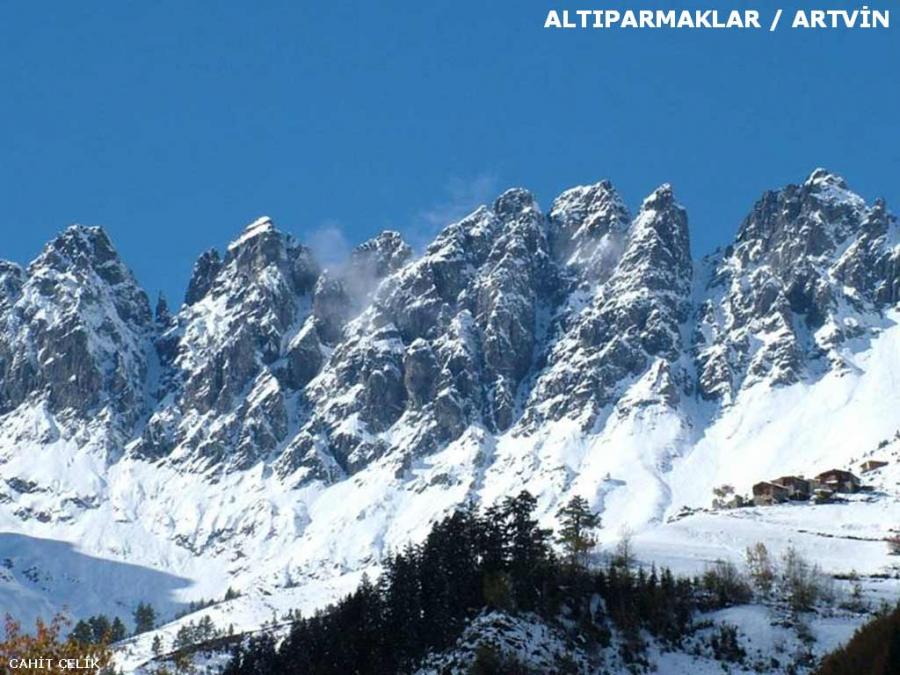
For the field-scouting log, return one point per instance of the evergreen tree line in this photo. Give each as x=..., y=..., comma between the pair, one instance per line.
x=99, y=629
x=473, y=562
x=197, y=632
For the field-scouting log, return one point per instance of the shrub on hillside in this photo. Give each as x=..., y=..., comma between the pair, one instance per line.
x=725, y=586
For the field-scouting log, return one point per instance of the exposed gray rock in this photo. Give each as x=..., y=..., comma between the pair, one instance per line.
x=205, y=270
x=304, y=357
x=229, y=345
x=343, y=294
x=420, y=373
x=778, y=302
x=331, y=307
x=589, y=225
x=373, y=260
x=624, y=325
x=76, y=335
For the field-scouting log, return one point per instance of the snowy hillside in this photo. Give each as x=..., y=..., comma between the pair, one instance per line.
x=289, y=425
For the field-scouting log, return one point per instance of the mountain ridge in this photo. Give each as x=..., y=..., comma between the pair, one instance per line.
x=289, y=424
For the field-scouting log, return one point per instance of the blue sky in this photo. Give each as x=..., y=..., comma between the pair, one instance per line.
x=174, y=124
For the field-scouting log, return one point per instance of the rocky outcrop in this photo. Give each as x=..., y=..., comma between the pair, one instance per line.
x=76, y=336
x=613, y=334
x=811, y=266
x=206, y=268
x=223, y=398
x=447, y=341
x=588, y=230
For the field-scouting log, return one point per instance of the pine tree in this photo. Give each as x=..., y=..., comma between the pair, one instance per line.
x=892, y=657
x=575, y=535
x=82, y=633
x=528, y=546
x=163, y=316
x=144, y=618
x=403, y=606
x=206, y=629
x=101, y=628
x=117, y=631
x=492, y=539
x=185, y=636
x=45, y=642
x=450, y=583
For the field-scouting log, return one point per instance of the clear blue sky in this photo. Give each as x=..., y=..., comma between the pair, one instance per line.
x=173, y=124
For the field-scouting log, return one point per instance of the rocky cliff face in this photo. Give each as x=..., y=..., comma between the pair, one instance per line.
x=624, y=315
x=445, y=343
x=255, y=328
x=76, y=342
x=812, y=267
x=227, y=368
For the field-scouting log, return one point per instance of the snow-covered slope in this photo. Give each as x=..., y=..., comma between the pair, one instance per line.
x=289, y=425
x=770, y=645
